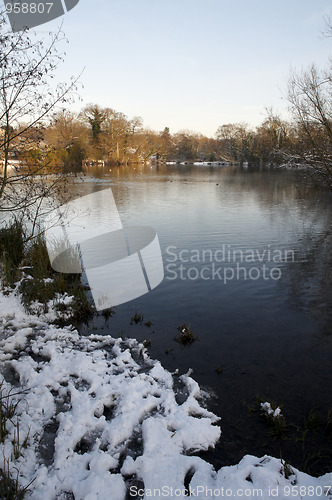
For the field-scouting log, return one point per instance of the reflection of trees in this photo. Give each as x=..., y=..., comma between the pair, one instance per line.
x=272, y=188
x=268, y=188
x=310, y=277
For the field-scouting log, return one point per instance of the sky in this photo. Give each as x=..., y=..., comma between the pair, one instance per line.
x=191, y=64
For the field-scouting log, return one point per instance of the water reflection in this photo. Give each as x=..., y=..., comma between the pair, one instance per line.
x=265, y=334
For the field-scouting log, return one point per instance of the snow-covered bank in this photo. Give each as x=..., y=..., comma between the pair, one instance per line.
x=102, y=419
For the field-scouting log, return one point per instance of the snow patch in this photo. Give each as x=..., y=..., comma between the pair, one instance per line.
x=99, y=417
x=269, y=411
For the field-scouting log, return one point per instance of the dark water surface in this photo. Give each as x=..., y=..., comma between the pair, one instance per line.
x=263, y=331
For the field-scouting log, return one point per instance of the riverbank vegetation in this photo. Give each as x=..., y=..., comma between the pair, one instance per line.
x=25, y=266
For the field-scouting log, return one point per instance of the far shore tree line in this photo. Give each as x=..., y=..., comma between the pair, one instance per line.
x=98, y=134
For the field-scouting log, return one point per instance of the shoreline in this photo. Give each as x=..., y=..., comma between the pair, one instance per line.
x=99, y=415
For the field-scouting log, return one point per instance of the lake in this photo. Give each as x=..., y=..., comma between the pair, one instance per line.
x=247, y=260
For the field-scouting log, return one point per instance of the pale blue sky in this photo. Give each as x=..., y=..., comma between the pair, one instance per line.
x=192, y=64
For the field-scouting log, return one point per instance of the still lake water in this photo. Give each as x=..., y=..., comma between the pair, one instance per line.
x=267, y=331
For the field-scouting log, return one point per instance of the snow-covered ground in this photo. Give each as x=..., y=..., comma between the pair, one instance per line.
x=101, y=420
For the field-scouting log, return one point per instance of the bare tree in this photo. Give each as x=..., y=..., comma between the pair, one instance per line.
x=310, y=97
x=27, y=98
x=233, y=139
